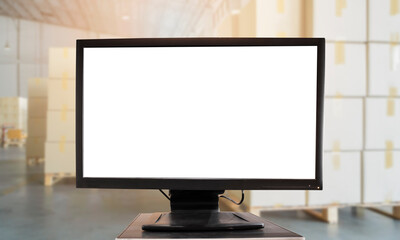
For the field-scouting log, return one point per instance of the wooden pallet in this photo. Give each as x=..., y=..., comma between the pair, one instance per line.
x=52, y=178
x=20, y=143
x=326, y=213
x=31, y=161
x=395, y=214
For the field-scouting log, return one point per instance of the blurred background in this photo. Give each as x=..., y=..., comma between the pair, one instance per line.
x=38, y=199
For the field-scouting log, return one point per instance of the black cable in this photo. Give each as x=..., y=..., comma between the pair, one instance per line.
x=221, y=196
x=165, y=194
x=230, y=199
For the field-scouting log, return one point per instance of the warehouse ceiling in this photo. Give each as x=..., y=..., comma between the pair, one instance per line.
x=127, y=18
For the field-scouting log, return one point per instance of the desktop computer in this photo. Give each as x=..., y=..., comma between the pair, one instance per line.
x=199, y=116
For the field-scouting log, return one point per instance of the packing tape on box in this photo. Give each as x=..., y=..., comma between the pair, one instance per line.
x=280, y=6
x=61, y=144
x=307, y=197
x=338, y=95
x=388, y=159
x=390, y=111
x=64, y=112
x=392, y=92
x=278, y=205
x=37, y=81
x=336, y=146
x=389, y=154
x=390, y=107
x=394, y=38
x=339, y=53
x=336, y=161
x=389, y=145
x=388, y=197
x=64, y=80
x=281, y=34
x=335, y=203
x=394, y=7
x=65, y=52
x=340, y=5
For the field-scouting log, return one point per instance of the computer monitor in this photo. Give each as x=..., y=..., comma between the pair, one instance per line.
x=199, y=116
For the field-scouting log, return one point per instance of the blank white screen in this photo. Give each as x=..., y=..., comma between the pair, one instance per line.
x=200, y=112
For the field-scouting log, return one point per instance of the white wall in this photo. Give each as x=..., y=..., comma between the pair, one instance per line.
x=35, y=39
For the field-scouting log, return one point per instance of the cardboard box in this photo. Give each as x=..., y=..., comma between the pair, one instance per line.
x=339, y=169
x=259, y=199
x=62, y=63
x=382, y=123
x=60, y=157
x=384, y=69
x=343, y=124
x=381, y=177
x=279, y=18
x=35, y=147
x=347, y=77
x=61, y=94
x=13, y=112
x=60, y=124
x=256, y=200
x=384, y=20
x=13, y=103
x=37, y=107
x=36, y=127
x=37, y=87
x=337, y=20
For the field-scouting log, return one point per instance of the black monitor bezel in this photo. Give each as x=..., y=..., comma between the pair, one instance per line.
x=199, y=184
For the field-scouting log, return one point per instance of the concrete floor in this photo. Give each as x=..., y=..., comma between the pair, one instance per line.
x=28, y=210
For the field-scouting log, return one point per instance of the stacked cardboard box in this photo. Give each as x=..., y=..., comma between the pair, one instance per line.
x=13, y=112
x=381, y=177
x=262, y=18
x=381, y=168
x=37, y=99
x=384, y=20
x=60, y=140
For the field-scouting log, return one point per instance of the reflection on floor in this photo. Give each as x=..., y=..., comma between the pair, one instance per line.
x=28, y=210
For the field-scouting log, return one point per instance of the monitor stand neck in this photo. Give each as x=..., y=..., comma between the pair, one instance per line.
x=193, y=210
x=192, y=200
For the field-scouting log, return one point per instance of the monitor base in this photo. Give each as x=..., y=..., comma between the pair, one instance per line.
x=193, y=210
x=202, y=221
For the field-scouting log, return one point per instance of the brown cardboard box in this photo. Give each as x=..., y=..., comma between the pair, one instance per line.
x=36, y=127
x=13, y=112
x=35, y=147
x=37, y=107
x=37, y=87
